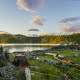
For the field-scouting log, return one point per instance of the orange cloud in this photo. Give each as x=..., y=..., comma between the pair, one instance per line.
x=30, y=5
x=38, y=21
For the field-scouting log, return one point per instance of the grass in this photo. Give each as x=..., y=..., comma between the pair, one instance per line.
x=72, y=72
x=45, y=71
x=68, y=53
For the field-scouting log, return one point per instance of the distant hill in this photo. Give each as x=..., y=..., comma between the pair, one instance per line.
x=2, y=32
x=21, y=38
x=6, y=37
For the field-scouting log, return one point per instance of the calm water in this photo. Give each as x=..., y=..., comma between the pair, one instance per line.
x=25, y=48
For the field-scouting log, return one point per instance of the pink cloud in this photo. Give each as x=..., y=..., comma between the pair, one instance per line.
x=30, y=5
x=38, y=21
x=71, y=28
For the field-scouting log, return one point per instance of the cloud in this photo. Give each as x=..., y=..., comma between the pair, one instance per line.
x=71, y=28
x=30, y=5
x=38, y=21
x=32, y=29
x=70, y=19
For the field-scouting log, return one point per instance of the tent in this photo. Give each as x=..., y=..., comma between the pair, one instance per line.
x=20, y=61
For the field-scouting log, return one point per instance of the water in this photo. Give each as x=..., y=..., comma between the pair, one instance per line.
x=27, y=74
x=25, y=49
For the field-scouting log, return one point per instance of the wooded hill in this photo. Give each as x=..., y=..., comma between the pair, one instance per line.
x=55, y=39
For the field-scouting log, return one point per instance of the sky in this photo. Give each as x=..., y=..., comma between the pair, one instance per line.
x=48, y=16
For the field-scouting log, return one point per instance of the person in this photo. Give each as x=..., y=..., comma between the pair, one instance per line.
x=57, y=55
x=7, y=54
x=0, y=56
x=16, y=62
x=1, y=52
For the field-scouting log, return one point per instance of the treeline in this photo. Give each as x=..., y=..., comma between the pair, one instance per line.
x=55, y=39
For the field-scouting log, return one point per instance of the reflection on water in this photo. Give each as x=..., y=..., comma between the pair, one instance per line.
x=25, y=48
